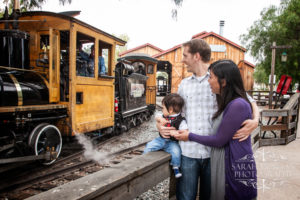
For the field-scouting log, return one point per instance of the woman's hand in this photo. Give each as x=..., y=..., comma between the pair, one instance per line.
x=182, y=135
x=244, y=132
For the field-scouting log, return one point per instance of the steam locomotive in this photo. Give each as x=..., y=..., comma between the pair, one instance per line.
x=52, y=88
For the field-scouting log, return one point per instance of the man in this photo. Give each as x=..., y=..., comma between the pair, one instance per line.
x=82, y=61
x=101, y=62
x=200, y=105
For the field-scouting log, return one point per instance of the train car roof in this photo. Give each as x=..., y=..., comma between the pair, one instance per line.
x=72, y=19
x=138, y=56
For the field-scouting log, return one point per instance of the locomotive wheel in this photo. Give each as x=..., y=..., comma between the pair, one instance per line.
x=43, y=136
x=126, y=125
x=139, y=119
x=133, y=121
x=34, y=130
x=145, y=117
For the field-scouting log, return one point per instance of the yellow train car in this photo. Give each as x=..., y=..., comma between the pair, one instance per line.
x=72, y=65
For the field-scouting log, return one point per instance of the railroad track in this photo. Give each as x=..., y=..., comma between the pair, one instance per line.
x=62, y=171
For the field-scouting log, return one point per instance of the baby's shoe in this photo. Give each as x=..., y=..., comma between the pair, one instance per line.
x=177, y=172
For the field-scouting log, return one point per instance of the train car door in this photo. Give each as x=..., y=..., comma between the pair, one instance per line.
x=151, y=84
x=54, y=65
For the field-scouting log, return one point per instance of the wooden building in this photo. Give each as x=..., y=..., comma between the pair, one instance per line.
x=145, y=48
x=247, y=70
x=221, y=47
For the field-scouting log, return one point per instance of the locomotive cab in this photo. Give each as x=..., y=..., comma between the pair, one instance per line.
x=134, y=90
x=48, y=89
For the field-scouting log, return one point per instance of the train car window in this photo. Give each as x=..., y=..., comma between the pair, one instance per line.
x=104, y=59
x=44, y=41
x=139, y=67
x=150, y=69
x=44, y=48
x=85, y=55
x=79, y=98
x=64, y=65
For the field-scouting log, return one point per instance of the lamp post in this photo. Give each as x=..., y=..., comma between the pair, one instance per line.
x=283, y=59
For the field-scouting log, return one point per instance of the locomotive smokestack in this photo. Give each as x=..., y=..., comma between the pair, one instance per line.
x=222, y=23
x=15, y=14
x=6, y=18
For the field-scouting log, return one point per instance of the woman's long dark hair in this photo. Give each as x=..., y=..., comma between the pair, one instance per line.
x=227, y=70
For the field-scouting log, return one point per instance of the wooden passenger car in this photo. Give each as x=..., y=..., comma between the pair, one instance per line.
x=150, y=65
x=54, y=45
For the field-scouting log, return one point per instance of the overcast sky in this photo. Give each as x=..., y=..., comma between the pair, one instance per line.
x=150, y=21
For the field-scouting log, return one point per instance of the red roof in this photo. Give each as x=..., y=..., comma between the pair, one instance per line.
x=199, y=34
x=247, y=63
x=166, y=51
x=139, y=47
x=202, y=35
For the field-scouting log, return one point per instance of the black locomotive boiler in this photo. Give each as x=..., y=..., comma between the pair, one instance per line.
x=135, y=97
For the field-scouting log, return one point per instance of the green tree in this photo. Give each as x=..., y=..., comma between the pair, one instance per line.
x=120, y=49
x=26, y=5
x=260, y=76
x=178, y=3
x=282, y=25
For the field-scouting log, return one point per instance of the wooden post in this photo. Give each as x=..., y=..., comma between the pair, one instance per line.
x=272, y=75
x=274, y=47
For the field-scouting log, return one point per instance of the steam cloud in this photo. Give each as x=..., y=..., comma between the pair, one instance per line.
x=90, y=151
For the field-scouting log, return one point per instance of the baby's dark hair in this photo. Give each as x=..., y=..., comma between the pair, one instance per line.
x=173, y=100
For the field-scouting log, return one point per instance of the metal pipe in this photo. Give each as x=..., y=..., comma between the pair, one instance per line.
x=46, y=118
x=16, y=4
x=222, y=23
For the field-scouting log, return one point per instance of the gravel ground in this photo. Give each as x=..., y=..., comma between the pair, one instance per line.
x=143, y=133
x=159, y=192
x=137, y=135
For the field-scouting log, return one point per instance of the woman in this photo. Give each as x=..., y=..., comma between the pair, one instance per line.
x=233, y=169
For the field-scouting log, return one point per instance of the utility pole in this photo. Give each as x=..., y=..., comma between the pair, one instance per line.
x=274, y=47
x=272, y=74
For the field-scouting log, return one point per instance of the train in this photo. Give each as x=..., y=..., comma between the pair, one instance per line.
x=162, y=86
x=59, y=77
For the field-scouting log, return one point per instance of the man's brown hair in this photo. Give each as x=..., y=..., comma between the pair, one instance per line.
x=173, y=100
x=199, y=46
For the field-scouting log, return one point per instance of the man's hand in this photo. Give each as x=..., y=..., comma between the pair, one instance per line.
x=248, y=126
x=160, y=125
x=165, y=131
x=182, y=135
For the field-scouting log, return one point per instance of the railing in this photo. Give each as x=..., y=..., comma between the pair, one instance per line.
x=262, y=97
x=279, y=126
